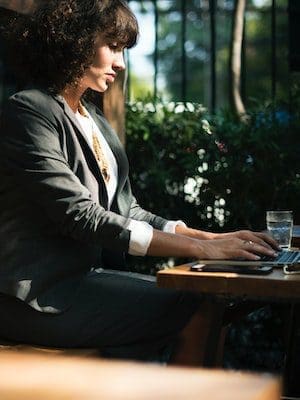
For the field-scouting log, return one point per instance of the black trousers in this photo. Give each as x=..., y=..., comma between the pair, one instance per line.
x=123, y=314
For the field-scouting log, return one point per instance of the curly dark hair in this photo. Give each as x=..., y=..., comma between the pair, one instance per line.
x=55, y=45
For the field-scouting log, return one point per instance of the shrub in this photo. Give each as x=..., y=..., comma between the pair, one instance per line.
x=214, y=172
x=217, y=173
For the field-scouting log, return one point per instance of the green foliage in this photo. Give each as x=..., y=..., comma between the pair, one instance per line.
x=214, y=172
x=217, y=173
x=162, y=144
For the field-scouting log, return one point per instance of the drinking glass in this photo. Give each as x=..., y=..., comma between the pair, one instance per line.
x=280, y=227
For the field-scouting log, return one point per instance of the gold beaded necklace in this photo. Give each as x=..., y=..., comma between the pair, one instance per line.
x=99, y=154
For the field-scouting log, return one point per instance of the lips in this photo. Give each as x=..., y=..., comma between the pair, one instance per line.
x=111, y=77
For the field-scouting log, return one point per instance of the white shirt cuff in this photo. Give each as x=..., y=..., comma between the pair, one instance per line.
x=171, y=225
x=140, y=237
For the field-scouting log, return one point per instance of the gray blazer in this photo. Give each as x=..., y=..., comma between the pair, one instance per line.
x=54, y=222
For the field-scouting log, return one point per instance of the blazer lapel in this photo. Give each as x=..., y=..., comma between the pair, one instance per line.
x=110, y=136
x=89, y=152
x=86, y=145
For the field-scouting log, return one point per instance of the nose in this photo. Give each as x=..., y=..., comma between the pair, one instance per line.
x=119, y=62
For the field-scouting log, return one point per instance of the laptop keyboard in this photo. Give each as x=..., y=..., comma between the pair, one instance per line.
x=284, y=257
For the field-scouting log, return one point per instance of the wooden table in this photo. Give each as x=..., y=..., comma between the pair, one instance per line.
x=35, y=377
x=275, y=287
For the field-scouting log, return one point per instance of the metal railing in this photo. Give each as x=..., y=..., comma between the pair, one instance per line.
x=276, y=70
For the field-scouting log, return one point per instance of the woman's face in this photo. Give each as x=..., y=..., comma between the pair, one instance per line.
x=107, y=62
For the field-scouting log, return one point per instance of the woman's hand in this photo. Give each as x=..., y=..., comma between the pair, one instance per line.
x=232, y=248
x=259, y=238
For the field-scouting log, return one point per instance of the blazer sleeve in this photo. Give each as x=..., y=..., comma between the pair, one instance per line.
x=138, y=213
x=31, y=152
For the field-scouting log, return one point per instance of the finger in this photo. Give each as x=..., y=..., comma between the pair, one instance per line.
x=261, y=239
x=262, y=242
x=256, y=248
x=247, y=255
x=252, y=237
x=256, y=239
x=268, y=239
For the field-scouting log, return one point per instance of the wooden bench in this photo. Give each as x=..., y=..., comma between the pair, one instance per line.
x=35, y=377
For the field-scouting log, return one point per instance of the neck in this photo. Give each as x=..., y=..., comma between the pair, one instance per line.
x=72, y=96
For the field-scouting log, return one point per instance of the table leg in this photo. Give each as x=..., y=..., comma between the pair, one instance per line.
x=213, y=352
x=201, y=342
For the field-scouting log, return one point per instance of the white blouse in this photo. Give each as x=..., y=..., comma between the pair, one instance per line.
x=141, y=232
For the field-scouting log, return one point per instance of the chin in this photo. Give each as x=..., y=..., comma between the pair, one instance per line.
x=99, y=86
x=99, y=89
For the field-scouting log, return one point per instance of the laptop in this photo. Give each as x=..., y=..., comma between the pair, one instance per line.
x=288, y=260
x=283, y=258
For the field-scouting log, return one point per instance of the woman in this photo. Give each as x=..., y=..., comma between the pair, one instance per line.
x=68, y=213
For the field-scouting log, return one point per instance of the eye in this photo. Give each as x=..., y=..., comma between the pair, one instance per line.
x=114, y=46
